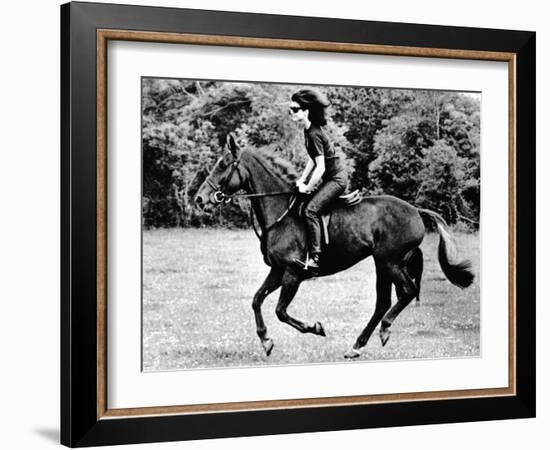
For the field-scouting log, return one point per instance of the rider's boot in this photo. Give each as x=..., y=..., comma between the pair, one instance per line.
x=312, y=263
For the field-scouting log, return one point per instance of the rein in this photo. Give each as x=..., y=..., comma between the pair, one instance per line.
x=276, y=222
x=219, y=196
x=261, y=194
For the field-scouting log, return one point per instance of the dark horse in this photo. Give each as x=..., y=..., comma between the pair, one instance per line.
x=385, y=227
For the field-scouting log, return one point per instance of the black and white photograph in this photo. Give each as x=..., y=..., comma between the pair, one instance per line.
x=291, y=224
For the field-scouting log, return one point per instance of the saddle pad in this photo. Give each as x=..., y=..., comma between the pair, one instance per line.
x=351, y=199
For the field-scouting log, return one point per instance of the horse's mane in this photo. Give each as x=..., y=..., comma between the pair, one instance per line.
x=276, y=164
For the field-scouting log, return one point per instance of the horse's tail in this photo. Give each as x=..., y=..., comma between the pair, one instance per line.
x=457, y=272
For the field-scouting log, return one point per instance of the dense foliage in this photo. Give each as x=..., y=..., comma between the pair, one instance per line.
x=422, y=146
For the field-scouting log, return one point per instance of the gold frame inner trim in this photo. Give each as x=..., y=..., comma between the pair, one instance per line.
x=103, y=36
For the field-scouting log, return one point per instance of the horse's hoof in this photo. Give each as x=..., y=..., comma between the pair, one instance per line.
x=352, y=353
x=318, y=329
x=384, y=335
x=268, y=346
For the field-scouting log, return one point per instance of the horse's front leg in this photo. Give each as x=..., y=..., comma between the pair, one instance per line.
x=271, y=283
x=290, y=284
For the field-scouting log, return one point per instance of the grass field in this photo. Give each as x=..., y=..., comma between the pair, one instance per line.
x=197, y=294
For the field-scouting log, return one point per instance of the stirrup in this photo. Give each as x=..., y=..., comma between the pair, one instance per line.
x=311, y=261
x=305, y=265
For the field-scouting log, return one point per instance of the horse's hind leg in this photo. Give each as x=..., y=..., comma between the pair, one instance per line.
x=406, y=289
x=383, y=303
x=271, y=283
x=415, y=268
x=290, y=285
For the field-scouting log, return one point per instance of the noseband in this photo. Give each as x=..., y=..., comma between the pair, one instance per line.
x=219, y=195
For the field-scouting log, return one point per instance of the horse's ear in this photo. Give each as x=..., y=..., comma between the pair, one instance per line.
x=232, y=145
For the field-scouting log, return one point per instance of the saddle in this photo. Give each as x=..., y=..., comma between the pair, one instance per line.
x=346, y=200
x=351, y=198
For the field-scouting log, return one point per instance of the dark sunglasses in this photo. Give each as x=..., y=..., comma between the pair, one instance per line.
x=294, y=109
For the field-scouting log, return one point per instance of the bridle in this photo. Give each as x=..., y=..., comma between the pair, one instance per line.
x=219, y=196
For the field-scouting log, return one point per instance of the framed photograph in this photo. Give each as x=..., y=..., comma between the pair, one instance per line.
x=278, y=224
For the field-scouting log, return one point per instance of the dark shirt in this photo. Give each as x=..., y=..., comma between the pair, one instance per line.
x=317, y=144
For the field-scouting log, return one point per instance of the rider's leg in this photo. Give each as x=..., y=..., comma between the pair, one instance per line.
x=320, y=201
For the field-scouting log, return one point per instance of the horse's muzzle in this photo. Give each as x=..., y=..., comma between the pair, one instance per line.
x=199, y=201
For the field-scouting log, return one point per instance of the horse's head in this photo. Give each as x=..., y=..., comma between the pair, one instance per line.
x=227, y=177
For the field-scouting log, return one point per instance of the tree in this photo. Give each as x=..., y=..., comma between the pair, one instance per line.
x=362, y=112
x=442, y=183
x=399, y=146
x=387, y=138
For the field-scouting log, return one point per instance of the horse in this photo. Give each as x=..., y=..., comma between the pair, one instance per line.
x=384, y=227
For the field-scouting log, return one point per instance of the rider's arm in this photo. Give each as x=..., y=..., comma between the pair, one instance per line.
x=307, y=171
x=316, y=151
x=318, y=172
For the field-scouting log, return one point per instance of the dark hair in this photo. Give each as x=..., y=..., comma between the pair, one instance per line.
x=315, y=102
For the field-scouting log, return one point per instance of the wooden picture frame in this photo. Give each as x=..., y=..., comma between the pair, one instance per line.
x=86, y=418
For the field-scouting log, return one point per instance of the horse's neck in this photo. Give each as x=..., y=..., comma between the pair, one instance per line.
x=262, y=180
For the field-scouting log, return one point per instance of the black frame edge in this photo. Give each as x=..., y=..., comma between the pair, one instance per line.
x=231, y=23
x=79, y=232
x=65, y=416
x=525, y=222
x=301, y=420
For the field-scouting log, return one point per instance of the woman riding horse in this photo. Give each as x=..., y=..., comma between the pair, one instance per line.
x=384, y=227
x=308, y=110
